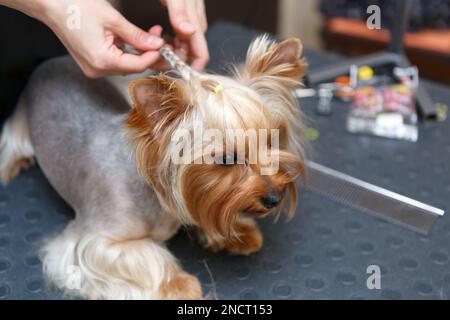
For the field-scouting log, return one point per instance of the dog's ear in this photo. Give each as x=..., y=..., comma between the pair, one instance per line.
x=157, y=103
x=267, y=58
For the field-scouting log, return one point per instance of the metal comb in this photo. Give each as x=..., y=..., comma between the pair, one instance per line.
x=372, y=199
x=171, y=58
x=176, y=63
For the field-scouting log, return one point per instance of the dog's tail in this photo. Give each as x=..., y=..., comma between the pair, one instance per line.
x=16, y=150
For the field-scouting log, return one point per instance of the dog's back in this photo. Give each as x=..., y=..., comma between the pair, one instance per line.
x=74, y=123
x=73, y=126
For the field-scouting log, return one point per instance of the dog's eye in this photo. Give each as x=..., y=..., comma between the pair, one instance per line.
x=227, y=159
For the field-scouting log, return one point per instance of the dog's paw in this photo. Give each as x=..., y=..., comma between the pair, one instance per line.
x=250, y=240
x=182, y=286
x=9, y=172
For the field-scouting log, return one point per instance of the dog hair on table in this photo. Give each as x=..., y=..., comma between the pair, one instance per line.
x=113, y=165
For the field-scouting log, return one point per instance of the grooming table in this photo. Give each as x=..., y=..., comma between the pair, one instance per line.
x=323, y=253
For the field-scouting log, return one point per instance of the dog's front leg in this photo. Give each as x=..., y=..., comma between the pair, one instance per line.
x=249, y=239
x=97, y=266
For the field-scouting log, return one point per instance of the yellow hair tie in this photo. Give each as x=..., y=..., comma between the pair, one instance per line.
x=218, y=89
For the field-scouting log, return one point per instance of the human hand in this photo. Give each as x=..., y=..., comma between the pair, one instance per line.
x=188, y=19
x=96, y=44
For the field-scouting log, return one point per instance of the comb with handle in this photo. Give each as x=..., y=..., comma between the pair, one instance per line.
x=370, y=198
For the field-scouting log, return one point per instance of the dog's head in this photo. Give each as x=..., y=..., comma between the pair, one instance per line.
x=216, y=147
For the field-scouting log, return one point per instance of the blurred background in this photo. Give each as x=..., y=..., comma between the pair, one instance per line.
x=331, y=25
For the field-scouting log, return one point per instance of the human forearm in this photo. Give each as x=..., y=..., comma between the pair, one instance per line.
x=33, y=8
x=95, y=40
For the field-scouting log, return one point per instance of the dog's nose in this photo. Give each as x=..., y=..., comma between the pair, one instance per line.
x=271, y=200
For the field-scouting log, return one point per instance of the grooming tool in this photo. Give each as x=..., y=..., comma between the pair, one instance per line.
x=171, y=58
x=325, y=97
x=384, y=62
x=365, y=196
x=176, y=63
x=386, y=111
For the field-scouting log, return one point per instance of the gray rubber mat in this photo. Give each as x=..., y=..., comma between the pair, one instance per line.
x=322, y=253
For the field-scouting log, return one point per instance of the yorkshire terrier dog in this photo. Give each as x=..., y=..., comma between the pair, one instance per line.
x=133, y=178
